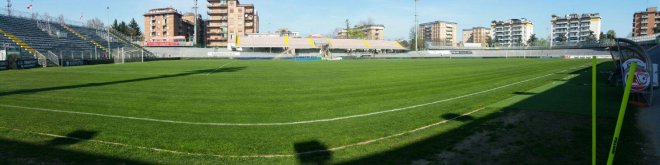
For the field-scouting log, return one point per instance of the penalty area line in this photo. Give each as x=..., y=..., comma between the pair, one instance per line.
x=250, y=156
x=278, y=123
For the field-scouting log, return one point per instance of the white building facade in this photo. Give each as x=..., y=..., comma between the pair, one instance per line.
x=574, y=28
x=512, y=33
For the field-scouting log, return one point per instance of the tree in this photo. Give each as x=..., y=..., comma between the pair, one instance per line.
x=490, y=41
x=602, y=37
x=95, y=23
x=134, y=29
x=542, y=42
x=123, y=28
x=591, y=38
x=414, y=42
x=115, y=25
x=611, y=34
x=532, y=40
x=356, y=33
x=656, y=29
x=60, y=19
x=561, y=38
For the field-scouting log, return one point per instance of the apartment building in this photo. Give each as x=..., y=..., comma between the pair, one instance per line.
x=512, y=32
x=575, y=27
x=476, y=35
x=190, y=19
x=372, y=32
x=166, y=25
x=439, y=33
x=645, y=22
x=229, y=19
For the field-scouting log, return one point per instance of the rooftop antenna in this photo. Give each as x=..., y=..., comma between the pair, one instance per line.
x=9, y=7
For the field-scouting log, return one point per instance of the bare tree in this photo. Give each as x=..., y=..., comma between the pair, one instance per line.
x=60, y=19
x=95, y=23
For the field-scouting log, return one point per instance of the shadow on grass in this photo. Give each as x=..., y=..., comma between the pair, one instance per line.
x=312, y=152
x=72, y=138
x=572, y=99
x=524, y=93
x=457, y=117
x=205, y=71
x=16, y=152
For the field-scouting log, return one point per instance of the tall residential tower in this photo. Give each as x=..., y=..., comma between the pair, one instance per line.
x=513, y=32
x=439, y=33
x=575, y=27
x=645, y=22
x=229, y=19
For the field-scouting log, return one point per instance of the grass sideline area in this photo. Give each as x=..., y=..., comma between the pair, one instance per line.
x=253, y=112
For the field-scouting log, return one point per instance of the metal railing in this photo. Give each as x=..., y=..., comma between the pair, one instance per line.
x=53, y=58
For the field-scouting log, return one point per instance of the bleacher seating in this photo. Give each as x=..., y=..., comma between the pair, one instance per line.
x=302, y=43
x=28, y=31
x=92, y=34
x=90, y=46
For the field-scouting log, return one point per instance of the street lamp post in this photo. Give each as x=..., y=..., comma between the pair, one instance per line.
x=108, y=30
x=416, y=28
x=195, y=33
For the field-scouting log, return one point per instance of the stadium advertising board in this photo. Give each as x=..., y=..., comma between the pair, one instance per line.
x=27, y=64
x=224, y=54
x=3, y=65
x=73, y=63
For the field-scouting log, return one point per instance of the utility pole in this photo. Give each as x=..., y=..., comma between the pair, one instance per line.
x=348, y=28
x=8, y=7
x=416, y=28
x=195, y=34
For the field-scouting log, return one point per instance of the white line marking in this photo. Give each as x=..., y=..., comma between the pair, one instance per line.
x=277, y=123
x=220, y=67
x=252, y=156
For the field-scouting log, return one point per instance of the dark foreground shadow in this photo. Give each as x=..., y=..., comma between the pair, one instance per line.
x=312, y=152
x=205, y=71
x=16, y=152
x=570, y=99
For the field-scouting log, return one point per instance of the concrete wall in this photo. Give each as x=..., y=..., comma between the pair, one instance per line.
x=166, y=52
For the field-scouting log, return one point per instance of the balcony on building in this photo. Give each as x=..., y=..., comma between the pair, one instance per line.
x=217, y=5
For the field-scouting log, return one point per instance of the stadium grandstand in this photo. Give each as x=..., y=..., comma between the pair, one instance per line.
x=316, y=46
x=54, y=42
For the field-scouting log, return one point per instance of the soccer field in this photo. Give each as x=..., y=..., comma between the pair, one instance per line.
x=256, y=112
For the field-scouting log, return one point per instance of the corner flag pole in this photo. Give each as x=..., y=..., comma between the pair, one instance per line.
x=622, y=113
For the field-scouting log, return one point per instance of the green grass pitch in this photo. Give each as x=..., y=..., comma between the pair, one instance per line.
x=251, y=112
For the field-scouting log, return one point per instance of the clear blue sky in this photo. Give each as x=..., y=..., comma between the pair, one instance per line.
x=323, y=16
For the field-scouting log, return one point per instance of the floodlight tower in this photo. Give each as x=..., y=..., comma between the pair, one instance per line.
x=108, y=30
x=348, y=28
x=8, y=7
x=195, y=33
x=416, y=27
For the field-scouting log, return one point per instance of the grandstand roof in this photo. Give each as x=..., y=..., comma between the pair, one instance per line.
x=315, y=43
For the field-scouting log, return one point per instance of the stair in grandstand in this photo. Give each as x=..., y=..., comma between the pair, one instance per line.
x=95, y=43
x=42, y=59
